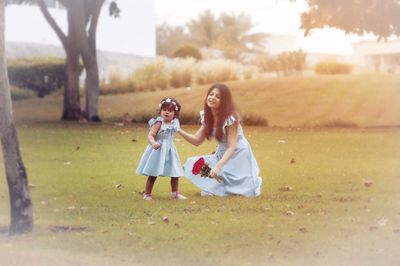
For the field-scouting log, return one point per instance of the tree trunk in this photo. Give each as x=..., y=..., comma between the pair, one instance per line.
x=87, y=44
x=20, y=199
x=72, y=105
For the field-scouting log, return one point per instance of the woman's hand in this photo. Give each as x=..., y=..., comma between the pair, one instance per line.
x=156, y=145
x=215, y=171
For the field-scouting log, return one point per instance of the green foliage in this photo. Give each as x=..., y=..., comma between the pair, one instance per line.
x=42, y=75
x=286, y=63
x=181, y=72
x=21, y=94
x=254, y=120
x=331, y=67
x=217, y=70
x=151, y=76
x=353, y=16
x=188, y=50
x=169, y=38
x=117, y=84
x=266, y=62
x=230, y=33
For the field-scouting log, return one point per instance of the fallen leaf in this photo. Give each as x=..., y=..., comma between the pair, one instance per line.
x=367, y=183
x=286, y=188
x=382, y=221
x=118, y=186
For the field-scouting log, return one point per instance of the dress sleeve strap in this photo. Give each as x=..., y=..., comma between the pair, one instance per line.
x=202, y=117
x=228, y=122
x=155, y=120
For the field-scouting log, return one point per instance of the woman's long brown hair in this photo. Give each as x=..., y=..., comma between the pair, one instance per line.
x=226, y=108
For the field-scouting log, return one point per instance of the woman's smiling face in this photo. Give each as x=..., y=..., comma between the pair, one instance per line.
x=214, y=99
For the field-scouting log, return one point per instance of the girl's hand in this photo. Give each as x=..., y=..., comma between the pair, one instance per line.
x=156, y=145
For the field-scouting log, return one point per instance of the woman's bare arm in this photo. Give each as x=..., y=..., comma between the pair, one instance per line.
x=195, y=139
x=231, y=137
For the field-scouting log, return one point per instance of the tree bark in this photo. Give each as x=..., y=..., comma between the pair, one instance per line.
x=79, y=43
x=87, y=44
x=72, y=105
x=20, y=199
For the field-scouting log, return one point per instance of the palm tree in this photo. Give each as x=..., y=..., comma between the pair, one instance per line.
x=230, y=33
x=205, y=30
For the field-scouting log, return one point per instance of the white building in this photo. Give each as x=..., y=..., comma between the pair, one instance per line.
x=377, y=56
x=279, y=43
x=126, y=41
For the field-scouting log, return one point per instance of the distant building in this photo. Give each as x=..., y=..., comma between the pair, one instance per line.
x=279, y=43
x=123, y=43
x=377, y=56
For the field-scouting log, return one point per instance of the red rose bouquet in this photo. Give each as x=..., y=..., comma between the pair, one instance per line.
x=202, y=168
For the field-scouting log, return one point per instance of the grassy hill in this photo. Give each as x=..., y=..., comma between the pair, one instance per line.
x=366, y=100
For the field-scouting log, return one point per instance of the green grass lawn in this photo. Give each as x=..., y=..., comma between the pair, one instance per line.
x=329, y=218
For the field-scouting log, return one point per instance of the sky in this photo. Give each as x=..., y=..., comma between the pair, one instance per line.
x=269, y=16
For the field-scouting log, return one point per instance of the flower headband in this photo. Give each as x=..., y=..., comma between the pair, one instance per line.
x=169, y=100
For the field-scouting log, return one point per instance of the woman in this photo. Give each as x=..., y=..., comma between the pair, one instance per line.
x=233, y=160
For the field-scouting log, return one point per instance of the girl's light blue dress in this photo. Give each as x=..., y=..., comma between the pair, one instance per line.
x=165, y=160
x=240, y=172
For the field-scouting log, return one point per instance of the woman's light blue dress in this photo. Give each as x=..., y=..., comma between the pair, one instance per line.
x=240, y=174
x=165, y=160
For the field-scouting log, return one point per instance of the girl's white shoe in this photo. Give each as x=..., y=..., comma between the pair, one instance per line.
x=177, y=195
x=205, y=194
x=147, y=197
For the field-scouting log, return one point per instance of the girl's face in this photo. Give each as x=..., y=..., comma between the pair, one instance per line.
x=168, y=114
x=214, y=99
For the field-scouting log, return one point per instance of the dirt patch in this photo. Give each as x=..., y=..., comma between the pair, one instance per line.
x=68, y=229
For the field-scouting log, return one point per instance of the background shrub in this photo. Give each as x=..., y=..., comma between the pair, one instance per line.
x=42, y=75
x=181, y=72
x=117, y=84
x=217, y=70
x=20, y=94
x=188, y=51
x=331, y=67
x=151, y=76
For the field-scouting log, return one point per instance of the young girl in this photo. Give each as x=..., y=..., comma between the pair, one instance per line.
x=161, y=157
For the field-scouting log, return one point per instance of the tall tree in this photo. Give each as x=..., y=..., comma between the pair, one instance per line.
x=169, y=38
x=82, y=19
x=230, y=33
x=79, y=42
x=205, y=30
x=379, y=17
x=17, y=180
x=236, y=36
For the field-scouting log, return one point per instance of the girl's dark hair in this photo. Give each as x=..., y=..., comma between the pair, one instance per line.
x=226, y=108
x=171, y=105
